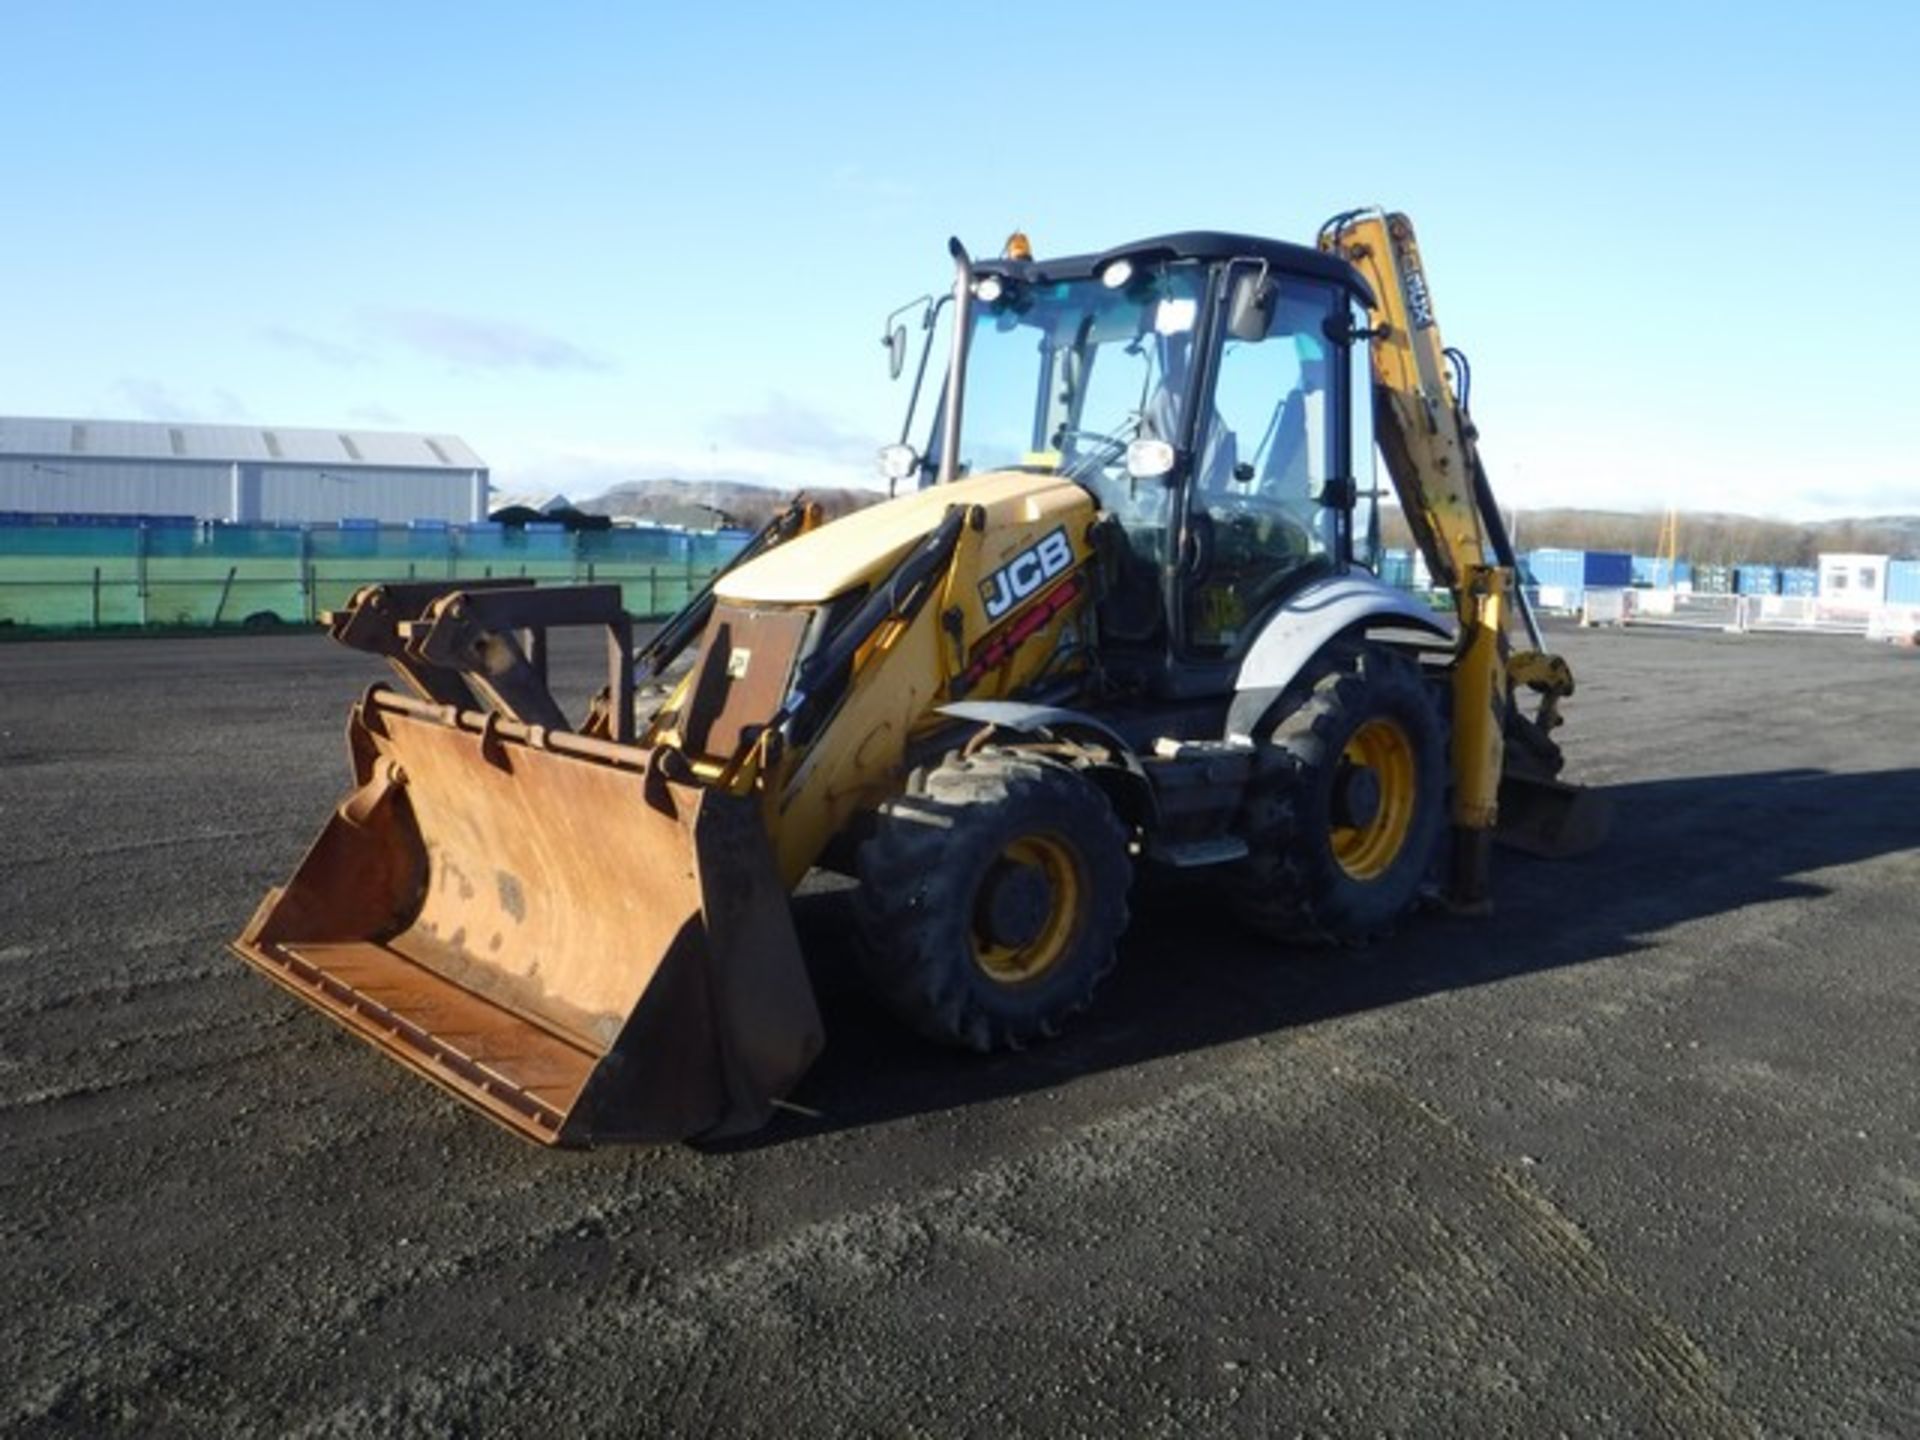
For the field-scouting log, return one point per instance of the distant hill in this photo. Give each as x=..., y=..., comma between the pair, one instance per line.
x=704, y=504
x=1707, y=538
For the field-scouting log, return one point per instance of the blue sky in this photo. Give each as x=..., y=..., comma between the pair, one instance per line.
x=601, y=242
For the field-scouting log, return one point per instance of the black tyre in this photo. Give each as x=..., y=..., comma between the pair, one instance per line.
x=1350, y=804
x=991, y=897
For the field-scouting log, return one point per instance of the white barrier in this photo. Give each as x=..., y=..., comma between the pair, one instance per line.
x=1683, y=609
x=1801, y=613
x=1899, y=624
x=1779, y=614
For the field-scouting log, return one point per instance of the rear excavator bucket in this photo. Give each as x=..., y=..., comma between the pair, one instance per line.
x=545, y=925
x=1551, y=818
x=1541, y=814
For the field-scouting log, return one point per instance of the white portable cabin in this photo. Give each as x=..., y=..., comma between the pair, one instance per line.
x=1852, y=583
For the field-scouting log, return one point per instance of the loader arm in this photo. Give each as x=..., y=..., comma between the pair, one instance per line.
x=1431, y=449
x=680, y=629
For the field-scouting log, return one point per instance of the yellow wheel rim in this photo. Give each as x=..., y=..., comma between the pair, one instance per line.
x=1367, y=851
x=1029, y=960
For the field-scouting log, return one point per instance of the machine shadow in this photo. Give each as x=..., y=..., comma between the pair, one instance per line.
x=1189, y=979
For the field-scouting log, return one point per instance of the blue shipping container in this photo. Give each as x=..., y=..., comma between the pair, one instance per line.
x=1756, y=580
x=1903, y=582
x=1799, y=582
x=1396, y=568
x=1563, y=568
x=1607, y=569
x=1659, y=573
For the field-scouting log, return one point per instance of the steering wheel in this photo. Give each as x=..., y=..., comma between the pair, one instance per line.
x=1070, y=432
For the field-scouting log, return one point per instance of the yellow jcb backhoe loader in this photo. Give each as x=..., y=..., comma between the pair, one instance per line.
x=1119, y=618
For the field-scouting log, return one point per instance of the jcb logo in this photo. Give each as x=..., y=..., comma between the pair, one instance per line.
x=1419, y=302
x=1026, y=573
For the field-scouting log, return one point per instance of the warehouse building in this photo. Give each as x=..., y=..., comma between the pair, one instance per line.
x=242, y=474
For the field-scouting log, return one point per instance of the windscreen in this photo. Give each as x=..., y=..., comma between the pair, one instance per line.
x=1062, y=374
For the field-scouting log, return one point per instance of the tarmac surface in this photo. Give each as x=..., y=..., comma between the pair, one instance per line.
x=1640, y=1155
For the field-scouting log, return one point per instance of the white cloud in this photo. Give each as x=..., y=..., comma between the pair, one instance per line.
x=150, y=399
x=484, y=344
x=317, y=347
x=788, y=427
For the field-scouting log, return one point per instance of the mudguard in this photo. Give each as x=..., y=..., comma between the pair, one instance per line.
x=1305, y=625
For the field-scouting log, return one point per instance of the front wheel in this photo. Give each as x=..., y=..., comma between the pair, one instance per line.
x=991, y=898
x=1343, y=820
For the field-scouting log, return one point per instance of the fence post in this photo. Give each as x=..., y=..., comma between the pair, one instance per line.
x=220, y=608
x=96, y=597
x=140, y=570
x=653, y=591
x=306, y=576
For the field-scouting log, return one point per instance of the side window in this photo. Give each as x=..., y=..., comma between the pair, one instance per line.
x=1002, y=425
x=1124, y=379
x=1133, y=389
x=1268, y=449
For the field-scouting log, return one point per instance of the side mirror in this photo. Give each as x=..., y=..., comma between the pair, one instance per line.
x=1149, y=459
x=1250, y=312
x=1336, y=492
x=897, y=462
x=896, y=343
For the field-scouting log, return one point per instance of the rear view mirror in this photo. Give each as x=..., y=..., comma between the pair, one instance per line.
x=896, y=343
x=1250, y=312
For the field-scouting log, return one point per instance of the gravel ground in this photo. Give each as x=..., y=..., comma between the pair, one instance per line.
x=1640, y=1155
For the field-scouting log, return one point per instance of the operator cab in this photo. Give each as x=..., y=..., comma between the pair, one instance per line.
x=1207, y=390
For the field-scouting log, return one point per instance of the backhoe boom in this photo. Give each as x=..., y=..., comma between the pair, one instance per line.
x=1430, y=446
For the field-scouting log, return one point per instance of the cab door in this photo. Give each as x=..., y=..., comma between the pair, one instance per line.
x=1270, y=439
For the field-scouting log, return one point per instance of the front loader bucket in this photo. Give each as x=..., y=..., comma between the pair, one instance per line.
x=547, y=927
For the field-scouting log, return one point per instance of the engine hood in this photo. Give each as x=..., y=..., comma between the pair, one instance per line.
x=860, y=547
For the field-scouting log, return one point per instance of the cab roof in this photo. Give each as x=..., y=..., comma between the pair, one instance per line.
x=1204, y=245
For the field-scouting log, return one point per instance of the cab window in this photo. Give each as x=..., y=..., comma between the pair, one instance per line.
x=1268, y=448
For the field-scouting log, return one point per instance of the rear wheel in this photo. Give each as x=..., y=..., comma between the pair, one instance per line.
x=1343, y=821
x=991, y=897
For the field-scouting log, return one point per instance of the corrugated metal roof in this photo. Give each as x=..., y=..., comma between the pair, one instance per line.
x=159, y=440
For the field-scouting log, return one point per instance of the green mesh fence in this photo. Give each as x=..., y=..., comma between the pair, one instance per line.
x=79, y=577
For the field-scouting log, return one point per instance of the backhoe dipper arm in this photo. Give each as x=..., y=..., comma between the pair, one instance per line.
x=1429, y=444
